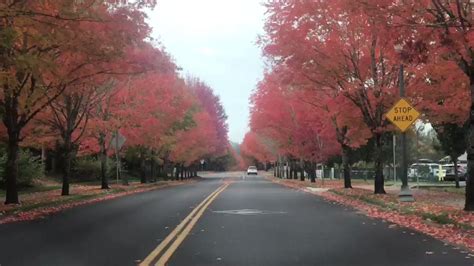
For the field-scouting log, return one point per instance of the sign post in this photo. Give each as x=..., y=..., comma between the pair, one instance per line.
x=117, y=142
x=403, y=115
x=394, y=158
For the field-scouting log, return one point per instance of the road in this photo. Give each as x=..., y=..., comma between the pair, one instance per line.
x=220, y=220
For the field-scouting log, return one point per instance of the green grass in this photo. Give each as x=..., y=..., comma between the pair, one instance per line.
x=28, y=190
x=441, y=218
x=38, y=189
x=460, y=191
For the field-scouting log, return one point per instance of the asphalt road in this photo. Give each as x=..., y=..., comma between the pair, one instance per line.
x=249, y=221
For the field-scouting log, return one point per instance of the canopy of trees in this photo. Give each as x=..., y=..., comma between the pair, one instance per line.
x=334, y=71
x=75, y=74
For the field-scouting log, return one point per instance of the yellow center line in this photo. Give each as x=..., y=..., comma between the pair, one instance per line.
x=156, y=252
x=167, y=255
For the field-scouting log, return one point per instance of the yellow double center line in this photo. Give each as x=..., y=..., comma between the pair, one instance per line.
x=169, y=245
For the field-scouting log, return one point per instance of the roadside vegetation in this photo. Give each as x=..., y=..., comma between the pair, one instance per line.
x=76, y=108
x=335, y=68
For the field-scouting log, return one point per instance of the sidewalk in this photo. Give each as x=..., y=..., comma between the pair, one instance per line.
x=435, y=212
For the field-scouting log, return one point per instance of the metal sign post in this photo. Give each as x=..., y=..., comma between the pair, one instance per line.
x=394, y=158
x=117, y=142
x=403, y=115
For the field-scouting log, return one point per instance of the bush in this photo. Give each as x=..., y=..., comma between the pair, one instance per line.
x=29, y=167
x=88, y=168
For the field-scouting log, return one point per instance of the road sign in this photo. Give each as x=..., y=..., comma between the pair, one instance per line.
x=402, y=115
x=117, y=141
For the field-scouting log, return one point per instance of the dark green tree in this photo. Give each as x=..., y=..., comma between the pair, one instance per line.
x=452, y=139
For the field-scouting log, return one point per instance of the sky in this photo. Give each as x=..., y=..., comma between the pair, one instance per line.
x=215, y=40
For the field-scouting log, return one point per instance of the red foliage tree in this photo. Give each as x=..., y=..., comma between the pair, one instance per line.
x=48, y=51
x=431, y=32
x=338, y=47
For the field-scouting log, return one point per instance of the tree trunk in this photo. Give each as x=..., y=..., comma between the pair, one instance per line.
x=289, y=170
x=67, y=155
x=312, y=170
x=294, y=173
x=277, y=167
x=456, y=174
x=143, y=170
x=11, y=169
x=152, y=170
x=469, y=204
x=10, y=120
x=165, y=168
x=346, y=166
x=379, y=179
x=301, y=168
x=124, y=177
x=103, y=162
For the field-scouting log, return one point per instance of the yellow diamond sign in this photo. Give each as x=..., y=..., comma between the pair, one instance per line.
x=402, y=115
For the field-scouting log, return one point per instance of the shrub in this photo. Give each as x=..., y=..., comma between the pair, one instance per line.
x=30, y=167
x=88, y=168
x=442, y=218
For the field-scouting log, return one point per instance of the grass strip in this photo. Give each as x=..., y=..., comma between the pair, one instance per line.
x=442, y=218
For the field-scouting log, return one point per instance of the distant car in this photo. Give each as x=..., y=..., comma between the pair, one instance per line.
x=252, y=170
x=427, y=171
x=462, y=172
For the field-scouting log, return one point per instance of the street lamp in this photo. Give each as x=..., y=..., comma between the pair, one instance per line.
x=405, y=194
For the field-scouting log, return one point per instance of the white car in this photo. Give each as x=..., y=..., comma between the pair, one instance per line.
x=449, y=169
x=252, y=170
x=431, y=171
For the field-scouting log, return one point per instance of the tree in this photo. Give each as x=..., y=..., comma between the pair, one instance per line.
x=452, y=138
x=211, y=103
x=338, y=47
x=43, y=43
x=254, y=146
x=70, y=112
x=431, y=30
x=125, y=95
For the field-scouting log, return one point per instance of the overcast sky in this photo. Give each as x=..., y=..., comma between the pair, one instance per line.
x=215, y=41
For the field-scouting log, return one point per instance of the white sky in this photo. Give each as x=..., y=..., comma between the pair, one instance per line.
x=215, y=41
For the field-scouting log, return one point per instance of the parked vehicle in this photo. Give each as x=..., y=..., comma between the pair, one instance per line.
x=449, y=168
x=427, y=171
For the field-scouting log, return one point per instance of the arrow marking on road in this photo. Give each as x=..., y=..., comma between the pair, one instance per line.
x=249, y=212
